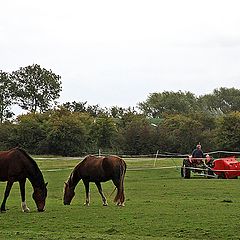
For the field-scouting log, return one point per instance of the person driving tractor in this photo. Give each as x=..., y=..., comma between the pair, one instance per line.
x=197, y=152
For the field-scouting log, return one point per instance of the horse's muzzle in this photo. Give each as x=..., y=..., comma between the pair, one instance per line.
x=41, y=210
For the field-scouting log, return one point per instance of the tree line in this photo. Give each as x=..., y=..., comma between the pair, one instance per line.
x=168, y=121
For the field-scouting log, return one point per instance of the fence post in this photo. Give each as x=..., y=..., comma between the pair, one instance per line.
x=155, y=158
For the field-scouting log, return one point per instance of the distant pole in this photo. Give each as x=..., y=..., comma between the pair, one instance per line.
x=155, y=158
x=99, y=152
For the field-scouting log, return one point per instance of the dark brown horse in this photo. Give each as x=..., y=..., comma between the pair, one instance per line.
x=97, y=170
x=15, y=166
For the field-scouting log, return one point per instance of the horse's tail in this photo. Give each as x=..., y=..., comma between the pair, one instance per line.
x=120, y=198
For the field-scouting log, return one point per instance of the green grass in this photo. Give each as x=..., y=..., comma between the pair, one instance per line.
x=159, y=205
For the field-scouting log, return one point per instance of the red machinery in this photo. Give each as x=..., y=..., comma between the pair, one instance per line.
x=227, y=167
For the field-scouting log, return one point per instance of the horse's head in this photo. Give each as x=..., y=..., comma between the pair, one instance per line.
x=68, y=194
x=39, y=196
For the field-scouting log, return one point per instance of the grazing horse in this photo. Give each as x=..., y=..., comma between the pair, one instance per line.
x=16, y=166
x=97, y=170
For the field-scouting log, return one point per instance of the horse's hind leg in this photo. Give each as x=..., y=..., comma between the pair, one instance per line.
x=6, y=194
x=22, y=189
x=104, y=200
x=119, y=199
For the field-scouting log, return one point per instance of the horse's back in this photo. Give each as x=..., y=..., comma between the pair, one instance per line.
x=100, y=168
x=10, y=163
x=89, y=168
x=112, y=163
x=106, y=162
x=90, y=162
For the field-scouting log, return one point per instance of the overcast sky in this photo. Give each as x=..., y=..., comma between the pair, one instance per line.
x=115, y=53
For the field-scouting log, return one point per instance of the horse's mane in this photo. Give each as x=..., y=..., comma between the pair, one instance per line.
x=73, y=175
x=27, y=156
x=34, y=164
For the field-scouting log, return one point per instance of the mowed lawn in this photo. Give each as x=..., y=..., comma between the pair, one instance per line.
x=159, y=205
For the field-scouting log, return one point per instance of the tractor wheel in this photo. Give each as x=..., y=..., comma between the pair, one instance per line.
x=185, y=171
x=210, y=173
x=222, y=176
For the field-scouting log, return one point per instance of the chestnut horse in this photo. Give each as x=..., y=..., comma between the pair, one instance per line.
x=16, y=166
x=97, y=170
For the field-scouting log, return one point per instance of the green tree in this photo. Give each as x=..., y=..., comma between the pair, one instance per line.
x=37, y=88
x=95, y=110
x=117, y=112
x=228, y=99
x=31, y=132
x=8, y=133
x=7, y=96
x=221, y=101
x=228, y=132
x=137, y=135
x=75, y=106
x=82, y=107
x=158, y=104
x=180, y=133
x=67, y=135
x=104, y=132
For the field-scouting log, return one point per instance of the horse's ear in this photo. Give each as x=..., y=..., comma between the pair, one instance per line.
x=65, y=184
x=46, y=184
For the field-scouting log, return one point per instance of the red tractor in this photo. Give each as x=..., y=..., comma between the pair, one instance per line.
x=227, y=167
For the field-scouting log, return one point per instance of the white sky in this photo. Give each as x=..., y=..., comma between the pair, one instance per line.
x=112, y=52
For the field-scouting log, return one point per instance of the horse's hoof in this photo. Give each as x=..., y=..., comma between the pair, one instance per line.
x=3, y=210
x=86, y=204
x=105, y=204
x=120, y=204
x=27, y=210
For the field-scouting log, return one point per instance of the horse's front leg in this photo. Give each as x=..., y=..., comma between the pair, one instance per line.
x=6, y=194
x=22, y=189
x=104, y=199
x=86, y=184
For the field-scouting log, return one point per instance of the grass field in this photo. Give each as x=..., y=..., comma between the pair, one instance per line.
x=159, y=205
